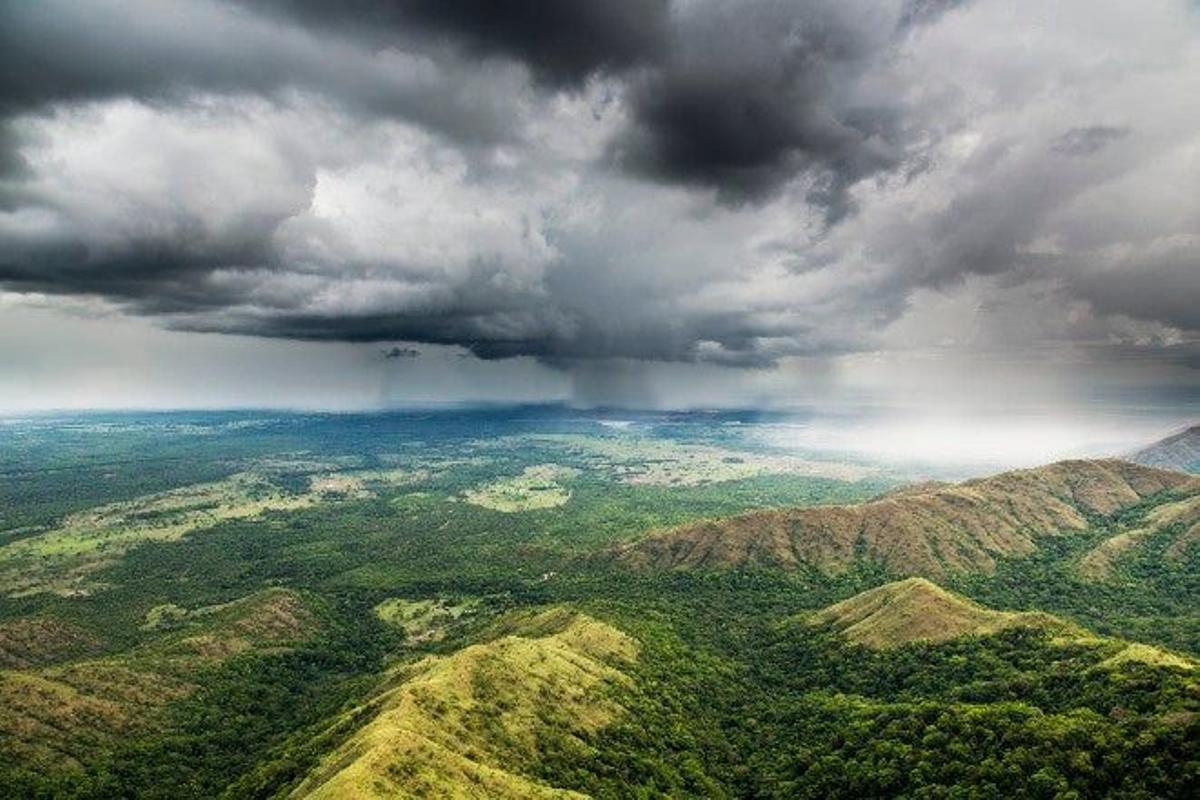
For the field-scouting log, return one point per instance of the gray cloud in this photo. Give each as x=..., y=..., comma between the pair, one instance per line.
x=1160, y=286
x=698, y=181
x=562, y=43
x=925, y=12
x=1088, y=140
x=57, y=52
x=752, y=95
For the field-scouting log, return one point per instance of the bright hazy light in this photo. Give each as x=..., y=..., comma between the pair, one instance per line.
x=972, y=442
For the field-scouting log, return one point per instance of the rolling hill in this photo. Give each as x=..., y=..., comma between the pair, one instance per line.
x=461, y=725
x=1179, y=520
x=391, y=638
x=928, y=531
x=916, y=609
x=1179, y=451
x=61, y=712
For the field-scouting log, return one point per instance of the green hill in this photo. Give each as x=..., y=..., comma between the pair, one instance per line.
x=917, y=610
x=386, y=638
x=461, y=725
x=926, y=531
x=1179, y=520
x=68, y=714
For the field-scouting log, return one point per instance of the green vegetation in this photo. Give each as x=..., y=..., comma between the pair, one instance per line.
x=478, y=604
x=932, y=531
x=1184, y=517
x=471, y=718
x=536, y=487
x=423, y=620
x=916, y=610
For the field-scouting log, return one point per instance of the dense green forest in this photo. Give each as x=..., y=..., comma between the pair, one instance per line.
x=227, y=640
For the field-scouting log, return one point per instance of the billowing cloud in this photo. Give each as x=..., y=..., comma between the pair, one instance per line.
x=561, y=43
x=752, y=95
x=700, y=181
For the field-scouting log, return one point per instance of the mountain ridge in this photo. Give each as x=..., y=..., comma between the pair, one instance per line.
x=460, y=725
x=957, y=528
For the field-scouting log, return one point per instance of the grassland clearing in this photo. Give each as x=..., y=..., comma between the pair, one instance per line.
x=424, y=620
x=361, y=484
x=64, y=559
x=1148, y=654
x=537, y=487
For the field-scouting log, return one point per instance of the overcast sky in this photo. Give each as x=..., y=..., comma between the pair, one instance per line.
x=640, y=202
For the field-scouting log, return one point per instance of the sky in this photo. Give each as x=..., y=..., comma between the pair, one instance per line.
x=945, y=206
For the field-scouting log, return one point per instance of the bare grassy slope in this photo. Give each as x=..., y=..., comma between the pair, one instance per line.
x=915, y=609
x=928, y=531
x=457, y=726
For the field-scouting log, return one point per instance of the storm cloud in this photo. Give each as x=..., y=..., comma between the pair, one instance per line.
x=753, y=94
x=697, y=181
x=562, y=43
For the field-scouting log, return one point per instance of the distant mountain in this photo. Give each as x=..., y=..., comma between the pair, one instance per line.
x=915, y=609
x=925, y=531
x=1179, y=451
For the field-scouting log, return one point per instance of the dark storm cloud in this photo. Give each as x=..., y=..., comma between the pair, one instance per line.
x=499, y=328
x=58, y=51
x=147, y=277
x=1163, y=287
x=739, y=97
x=12, y=164
x=773, y=105
x=562, y=43
x=752, y=95
x=534, y=178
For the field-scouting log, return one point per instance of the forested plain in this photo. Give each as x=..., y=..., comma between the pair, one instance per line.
x=227, y=642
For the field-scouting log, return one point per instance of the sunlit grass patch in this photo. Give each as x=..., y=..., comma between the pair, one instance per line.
x=62, y=559
x=535, y=488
